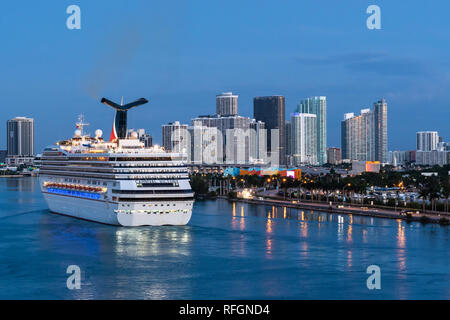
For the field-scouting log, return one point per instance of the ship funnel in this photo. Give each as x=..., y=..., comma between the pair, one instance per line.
x=119, y=130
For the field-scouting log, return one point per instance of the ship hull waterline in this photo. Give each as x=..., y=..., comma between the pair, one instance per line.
x=104, y=212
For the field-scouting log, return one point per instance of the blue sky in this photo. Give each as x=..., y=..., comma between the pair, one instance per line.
x=180, y=54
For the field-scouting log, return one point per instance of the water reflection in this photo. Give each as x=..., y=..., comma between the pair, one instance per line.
x=21, y=184
x=269, y=231
x=349, y=258
x=401, y=244
x=227, y=251
x=350, y=229
x=401, y=239
x=340, y=232
x=238, y=223
x=304, y=229
x=364, y=235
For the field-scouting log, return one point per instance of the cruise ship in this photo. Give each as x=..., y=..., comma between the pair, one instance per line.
x=117, y=182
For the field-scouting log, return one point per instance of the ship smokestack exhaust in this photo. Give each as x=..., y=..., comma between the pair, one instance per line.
x=119, y=130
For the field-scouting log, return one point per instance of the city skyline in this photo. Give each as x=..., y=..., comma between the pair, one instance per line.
x=173, y=64
x=373, y=122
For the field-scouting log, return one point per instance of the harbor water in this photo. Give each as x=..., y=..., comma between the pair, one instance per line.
x=227, y=251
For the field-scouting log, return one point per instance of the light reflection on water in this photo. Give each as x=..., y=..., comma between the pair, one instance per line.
x=228, y=250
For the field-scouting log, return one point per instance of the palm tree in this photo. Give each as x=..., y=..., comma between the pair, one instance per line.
x=424, y=193
x=446, y=193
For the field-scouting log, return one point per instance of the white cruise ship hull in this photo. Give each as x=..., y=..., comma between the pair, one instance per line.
x=109, y=213
x=117, y=183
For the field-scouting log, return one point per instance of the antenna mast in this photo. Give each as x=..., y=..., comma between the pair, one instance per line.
x=81, y=124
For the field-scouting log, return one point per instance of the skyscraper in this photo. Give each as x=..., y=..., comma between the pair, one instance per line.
x=381, y=134
x=258, y=142
x=303, y=135
x=144, y=137
x=334, y=155
x=358, y=136
x=317, y=106
x=364, y=137
x=232, y=128
x=270, y=110
x=288, y=139
x=240, y=137
x=427, y=140
x=226, y=104
x=175, y=137
x=20, y=136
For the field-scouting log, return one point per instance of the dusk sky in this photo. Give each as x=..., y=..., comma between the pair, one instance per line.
x=180, y=54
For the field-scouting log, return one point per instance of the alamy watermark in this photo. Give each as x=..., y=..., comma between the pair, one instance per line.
x=374, y=280
x=74, y=280
x=74, y=20
x=209, y=145
x=374, y=20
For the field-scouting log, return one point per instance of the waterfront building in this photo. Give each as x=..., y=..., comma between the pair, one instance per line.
x=175, y=137
x=334, y=156
x=400, y=158
x=144, y=137
x=244, y=140
x=147, y=139
x=20, y=136
x=271, y=111
x=304, y=139
x=381, y=132
x=443, y=146
x=288, y=142
x=234, y=134
x=3, y=154
x=17, y=160
x=432, y=158
x=359, y=167
x=427, y=140
x=226, y=104
x=364, y=137
x=357, y=136
x=317, y=106
x=258, y=142
x=205, y=144
x=397, y=158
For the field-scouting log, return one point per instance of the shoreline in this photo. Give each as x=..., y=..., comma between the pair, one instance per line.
x=12, y=176
x=370, y=212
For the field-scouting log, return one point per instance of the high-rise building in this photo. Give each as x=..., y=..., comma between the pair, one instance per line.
x=334, y=156
x=443, y=146
x=3, y=154
x=427, y=140
x=288, y=140
x=175, y=137
x=303, y=135
x=20, y=136
x=357, y=135
x=226, y=104
x=432, y=158
x=238, y=139
x=364, y=137
x=271, y=111
x=144, y=137
x=317, y=106
x=381, y=133
x=258, y=142
x=232, y=129
x=243, y=139
x=204, y=147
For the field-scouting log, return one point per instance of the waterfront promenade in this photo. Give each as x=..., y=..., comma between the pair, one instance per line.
x=336, y=207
